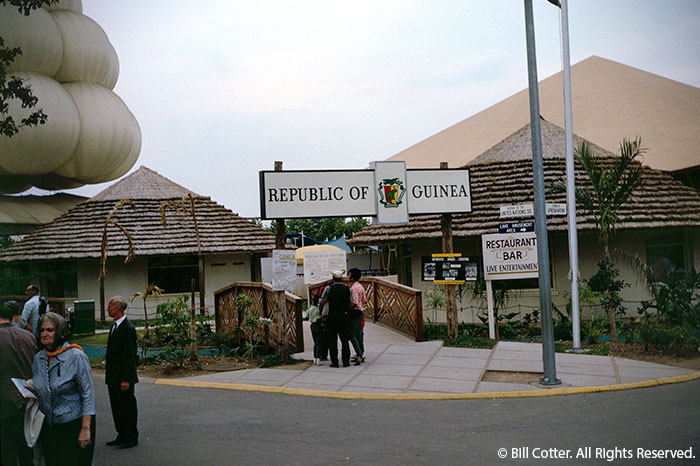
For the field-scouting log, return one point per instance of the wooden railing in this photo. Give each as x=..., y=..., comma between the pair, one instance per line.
x=228, y=319
x=397, y=306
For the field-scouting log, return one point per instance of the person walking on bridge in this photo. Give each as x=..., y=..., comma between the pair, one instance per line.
x=337, y=323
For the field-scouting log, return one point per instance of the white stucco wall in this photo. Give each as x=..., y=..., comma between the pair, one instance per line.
x=590, y=253
x=127, y=279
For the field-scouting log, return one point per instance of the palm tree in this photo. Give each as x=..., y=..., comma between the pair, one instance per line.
x=104, y=248
x=150, y=290
x=186, y=206
x=611, y=186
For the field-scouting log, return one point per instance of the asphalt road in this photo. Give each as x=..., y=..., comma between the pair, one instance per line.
x=193, y=426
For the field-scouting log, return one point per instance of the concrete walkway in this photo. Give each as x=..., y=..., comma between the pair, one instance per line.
x=397, y=365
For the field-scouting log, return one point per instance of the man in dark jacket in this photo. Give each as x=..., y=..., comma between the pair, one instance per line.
x=337, y=323
x=121, y=375
x=17, y=349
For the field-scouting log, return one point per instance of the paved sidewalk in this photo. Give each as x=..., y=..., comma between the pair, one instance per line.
x=397, y=365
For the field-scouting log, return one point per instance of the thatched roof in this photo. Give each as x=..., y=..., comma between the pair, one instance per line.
x=610, y=101
x=503, y=176
x=78, y=233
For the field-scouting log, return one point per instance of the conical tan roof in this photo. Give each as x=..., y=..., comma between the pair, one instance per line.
x=610, y=101
x=503, y=176
x=144, y=183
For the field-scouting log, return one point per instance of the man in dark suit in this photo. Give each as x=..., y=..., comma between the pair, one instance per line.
x=121, y=374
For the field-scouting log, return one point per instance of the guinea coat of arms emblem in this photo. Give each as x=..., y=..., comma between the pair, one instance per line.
x=391, y=192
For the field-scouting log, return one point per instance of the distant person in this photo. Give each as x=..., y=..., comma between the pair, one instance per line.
x=358, y=305
x=17, y=349
x=63, y=383
x=121, y=375
x=31, y=311
x=338, y=297
x=317, y=331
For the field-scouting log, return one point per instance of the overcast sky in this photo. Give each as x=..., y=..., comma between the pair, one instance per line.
x=223, y=88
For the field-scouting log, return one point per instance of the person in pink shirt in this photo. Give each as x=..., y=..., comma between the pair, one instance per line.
x=357, y=315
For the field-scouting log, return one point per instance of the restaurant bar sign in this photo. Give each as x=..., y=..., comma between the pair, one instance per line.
x=510, y=256
x=387, y=191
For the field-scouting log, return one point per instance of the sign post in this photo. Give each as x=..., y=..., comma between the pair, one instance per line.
x=280, y=300
x=451, y=296
x=489, y=303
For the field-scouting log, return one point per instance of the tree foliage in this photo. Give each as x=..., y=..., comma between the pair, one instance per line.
x=611, y=185
x=13, y=87
x=328, y=228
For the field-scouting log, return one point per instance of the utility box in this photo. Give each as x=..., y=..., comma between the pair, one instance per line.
x=83, y=317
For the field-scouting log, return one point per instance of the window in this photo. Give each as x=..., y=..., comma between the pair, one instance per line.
x=666, y=252
x=56, y=279
x=174, y=274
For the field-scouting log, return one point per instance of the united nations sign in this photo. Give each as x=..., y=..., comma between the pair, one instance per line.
x=388, y=191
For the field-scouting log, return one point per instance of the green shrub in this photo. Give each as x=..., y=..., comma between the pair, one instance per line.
x=173, y=332
x=679, y=340
x=676, y=299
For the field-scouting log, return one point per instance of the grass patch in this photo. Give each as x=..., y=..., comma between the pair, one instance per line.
x=99, y=339
x=107, y=324
x=467, y=341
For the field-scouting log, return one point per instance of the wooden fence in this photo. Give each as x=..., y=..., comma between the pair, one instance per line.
x=228, y=319
x=397, y=306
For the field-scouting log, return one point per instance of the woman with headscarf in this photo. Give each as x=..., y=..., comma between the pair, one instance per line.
x=63, y=383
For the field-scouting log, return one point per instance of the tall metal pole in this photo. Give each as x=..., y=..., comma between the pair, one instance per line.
x=550, y=372
x=570, y=183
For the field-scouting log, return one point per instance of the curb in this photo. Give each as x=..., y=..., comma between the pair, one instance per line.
x=437, y=396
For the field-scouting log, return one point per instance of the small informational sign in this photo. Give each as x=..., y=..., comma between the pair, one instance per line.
x=516, y=227
x=266, y=269
x=318, y=266
x=449, y=269
x=526, y=210
x=508, y=256
x=284, y=269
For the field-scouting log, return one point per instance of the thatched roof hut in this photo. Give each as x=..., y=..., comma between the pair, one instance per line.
x=78, y=233
x=503, y=176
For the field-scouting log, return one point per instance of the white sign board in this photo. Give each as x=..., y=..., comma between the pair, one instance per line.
x=526, y=210
x=318, y=266
x=438, y=191
x=509, y=255
x=295, y=194
x=284, y=269
x=356, y=193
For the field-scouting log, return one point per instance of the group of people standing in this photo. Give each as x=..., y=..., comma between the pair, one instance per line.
x=339, y=315
x=35, y=348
